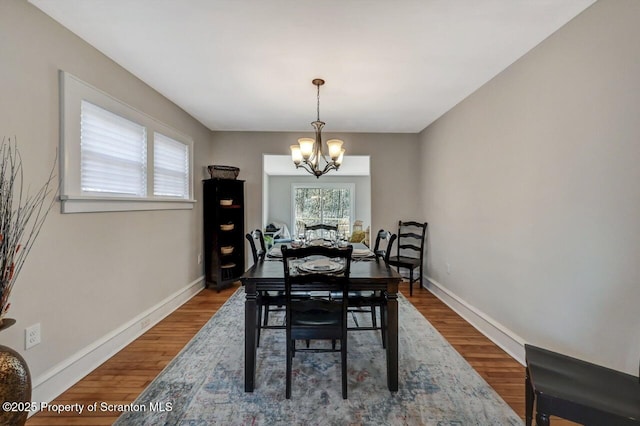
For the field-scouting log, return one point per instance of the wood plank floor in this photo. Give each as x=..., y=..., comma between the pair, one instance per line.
x=124, y=376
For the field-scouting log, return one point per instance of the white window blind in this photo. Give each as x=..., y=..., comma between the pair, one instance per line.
x=113, y=153
x=170, y=167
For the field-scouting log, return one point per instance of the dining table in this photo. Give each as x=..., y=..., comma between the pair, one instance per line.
x=367, y=274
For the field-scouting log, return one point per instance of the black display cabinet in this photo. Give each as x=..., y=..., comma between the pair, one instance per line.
x=223, y=231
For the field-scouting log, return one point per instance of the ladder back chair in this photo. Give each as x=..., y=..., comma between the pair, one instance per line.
x=258, y=254
x=371, y=301
x=316, y=318
x=410, y=250
x=266, y=300
x=377, y=250
x=323, y=231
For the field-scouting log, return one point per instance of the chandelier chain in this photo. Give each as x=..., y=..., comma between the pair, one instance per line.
x=318, y=105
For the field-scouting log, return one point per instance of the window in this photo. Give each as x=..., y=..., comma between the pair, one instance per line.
x=116, y=158
x=331, y=204
x=171, y=167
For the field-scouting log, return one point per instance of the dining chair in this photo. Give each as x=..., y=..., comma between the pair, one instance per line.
x=410, y=250
x=373, y=300
x=377, y=250
x=252, y=237
x=267, y=301
x=322, y=230
x=370, y=301
x=321, y=270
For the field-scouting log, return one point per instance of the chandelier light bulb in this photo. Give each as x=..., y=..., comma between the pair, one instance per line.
x=296, y=155
x=335, y=147
x=340, y=157
x=306, y=147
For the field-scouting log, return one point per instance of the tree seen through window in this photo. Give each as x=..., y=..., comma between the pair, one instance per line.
x=330, y=206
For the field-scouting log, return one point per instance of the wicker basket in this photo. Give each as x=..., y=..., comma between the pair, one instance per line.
x=223, y=172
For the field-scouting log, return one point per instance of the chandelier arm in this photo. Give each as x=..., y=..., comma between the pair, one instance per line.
x=306, y=168
x=330, y=166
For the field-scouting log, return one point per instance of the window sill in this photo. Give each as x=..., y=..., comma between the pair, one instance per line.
x=78, y=204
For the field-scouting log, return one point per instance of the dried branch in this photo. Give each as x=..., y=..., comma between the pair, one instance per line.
x=21, y=216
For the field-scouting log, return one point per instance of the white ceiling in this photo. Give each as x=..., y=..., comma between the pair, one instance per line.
x=389, y=66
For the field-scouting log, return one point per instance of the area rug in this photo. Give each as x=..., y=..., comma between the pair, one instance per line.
x=204, y=384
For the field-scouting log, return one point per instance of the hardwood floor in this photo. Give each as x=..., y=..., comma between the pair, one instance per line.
x=124, y=376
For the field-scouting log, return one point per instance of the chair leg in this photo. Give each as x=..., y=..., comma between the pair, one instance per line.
x=266, y=315
x=383, y=325
x=343, y=350
x=410, y=282
x=289, y=362
x=374, y=322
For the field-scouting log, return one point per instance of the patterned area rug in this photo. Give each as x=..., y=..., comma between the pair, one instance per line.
x=204, y=384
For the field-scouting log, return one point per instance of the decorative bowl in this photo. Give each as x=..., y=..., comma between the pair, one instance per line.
x=226, y=249
x=226, y=202
x=227, y=227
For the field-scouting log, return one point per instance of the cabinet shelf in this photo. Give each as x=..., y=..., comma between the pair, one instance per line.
x=222, y=269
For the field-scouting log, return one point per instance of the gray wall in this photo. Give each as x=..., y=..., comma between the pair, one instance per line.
x=530, y=187
x=87, y=274
x=279, y=208
x=394, y=169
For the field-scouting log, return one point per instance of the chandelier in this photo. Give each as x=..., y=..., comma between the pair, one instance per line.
x=308, y=152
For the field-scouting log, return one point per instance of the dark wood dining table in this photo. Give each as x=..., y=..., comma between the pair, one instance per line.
x=366, y=275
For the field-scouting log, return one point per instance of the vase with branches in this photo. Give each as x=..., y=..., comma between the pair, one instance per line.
x=22, y=214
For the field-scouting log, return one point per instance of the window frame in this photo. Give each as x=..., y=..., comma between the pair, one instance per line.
x=73, y=199
x=328, y=185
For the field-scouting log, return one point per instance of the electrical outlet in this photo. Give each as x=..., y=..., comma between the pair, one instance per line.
x=199, y=258
x=448, y=268
x=31, y=336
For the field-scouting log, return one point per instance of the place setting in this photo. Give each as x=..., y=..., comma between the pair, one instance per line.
x=359, y=254
x=321, y=265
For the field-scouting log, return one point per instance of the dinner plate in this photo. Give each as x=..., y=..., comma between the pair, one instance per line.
x=322, y=265
x=275, y=252
x=320, y=243
x=361, y=253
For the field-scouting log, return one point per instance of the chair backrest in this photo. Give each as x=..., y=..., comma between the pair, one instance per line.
x=411, y=236
x=302, y=275
x=258, y=254
x=321, y=230
x=392, y=239
x=382, y=235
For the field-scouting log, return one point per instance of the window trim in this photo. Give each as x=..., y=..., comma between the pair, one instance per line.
x=73, y=199
x=324, y=185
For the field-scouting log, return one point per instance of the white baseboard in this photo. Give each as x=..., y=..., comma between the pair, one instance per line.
x=62, y=376
x=506, y=339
